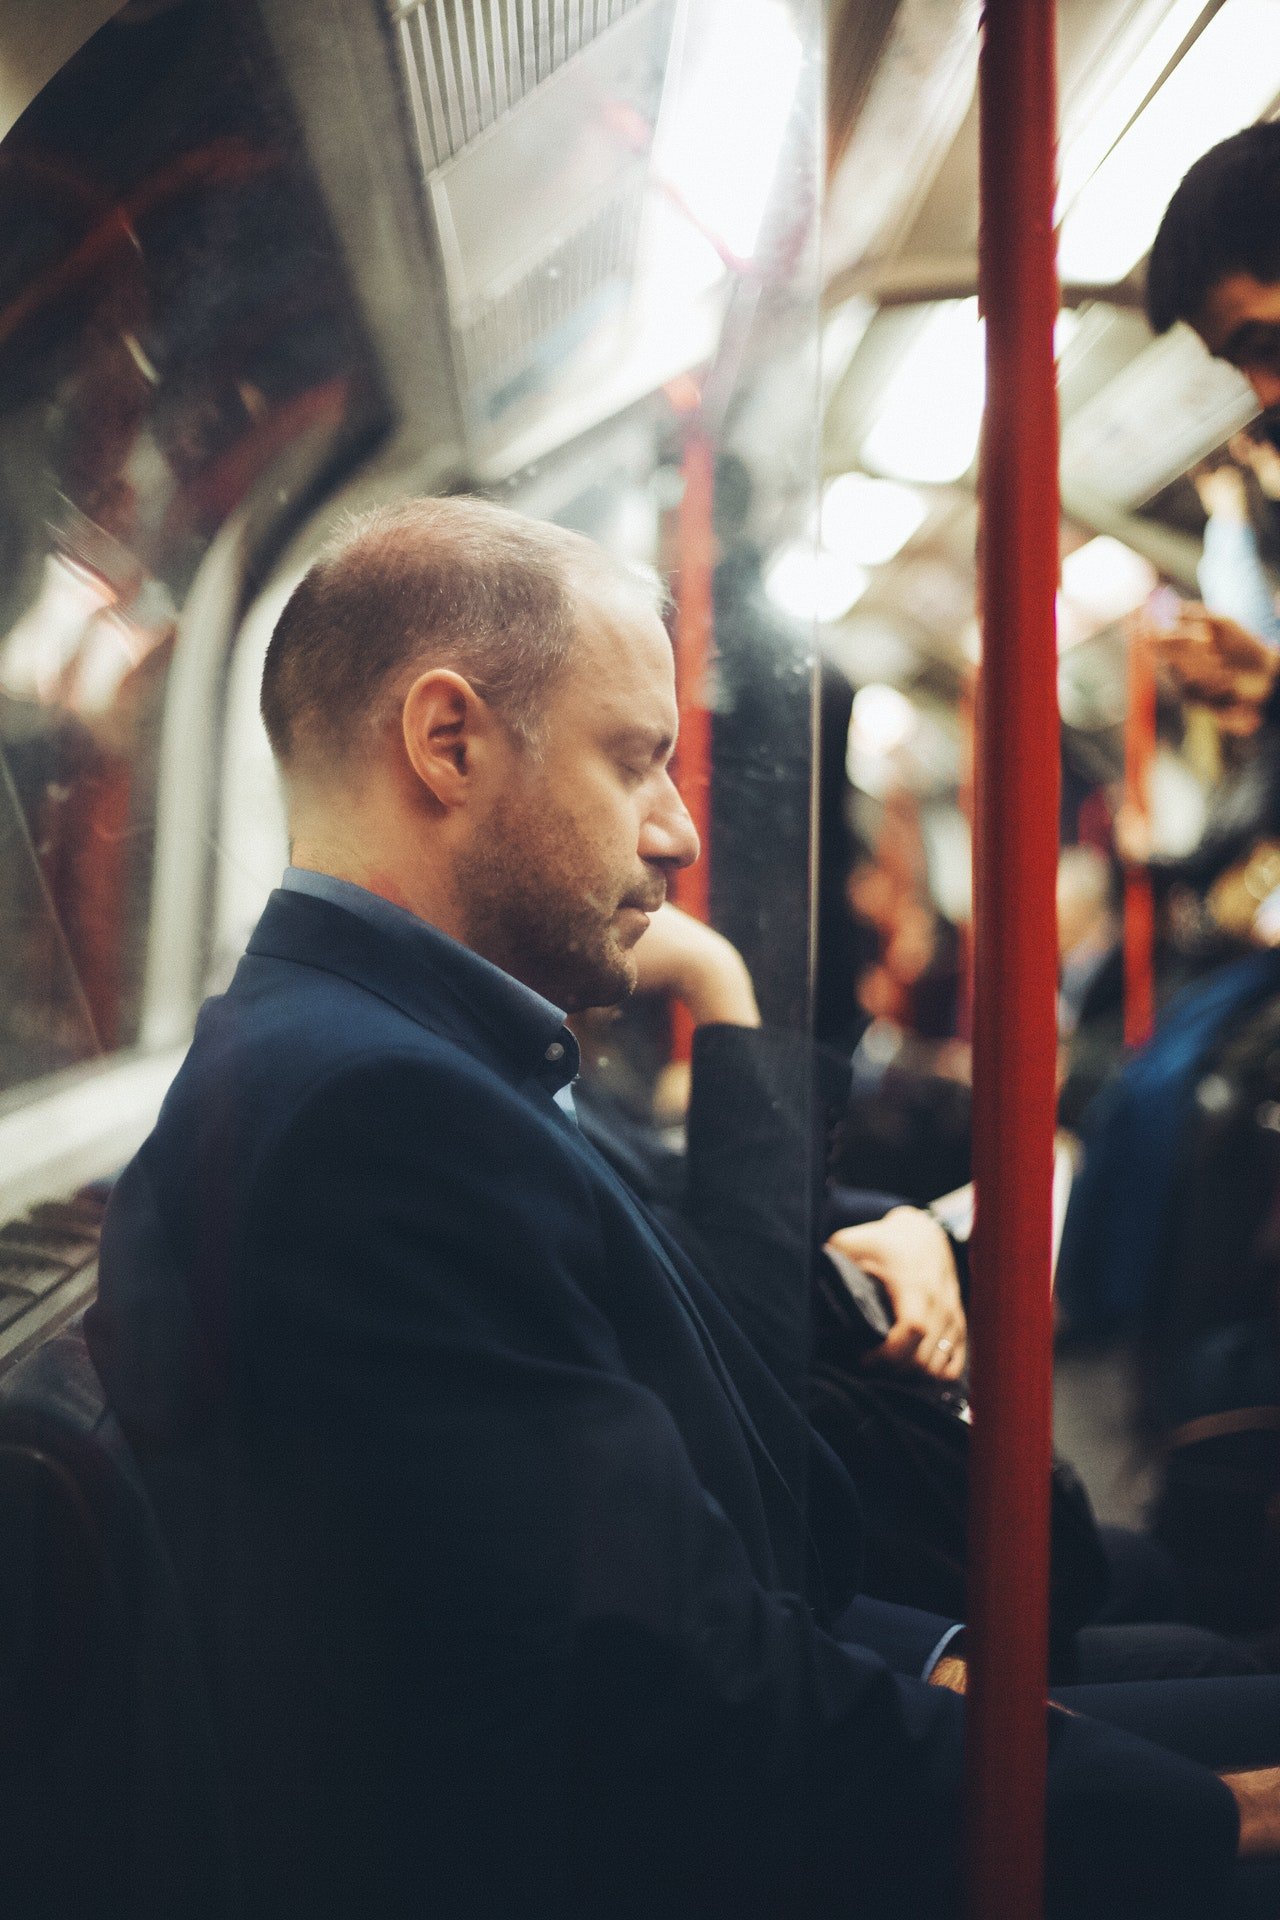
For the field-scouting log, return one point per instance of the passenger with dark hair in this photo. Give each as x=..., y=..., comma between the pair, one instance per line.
x=488, y=1513
x=1215, y=262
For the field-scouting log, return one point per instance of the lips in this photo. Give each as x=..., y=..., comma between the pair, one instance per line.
x=646, y=903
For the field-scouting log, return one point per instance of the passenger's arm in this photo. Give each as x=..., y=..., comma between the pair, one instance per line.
x=754, y=1142
x=697, y=966
x=754, y=1165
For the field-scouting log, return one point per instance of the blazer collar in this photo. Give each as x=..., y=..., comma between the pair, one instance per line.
x=431, y=978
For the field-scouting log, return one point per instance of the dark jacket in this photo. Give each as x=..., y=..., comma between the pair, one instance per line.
x=487, y=1511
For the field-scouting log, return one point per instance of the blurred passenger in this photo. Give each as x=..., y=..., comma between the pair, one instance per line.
x=481, y=1500
x=1172, y=1227
x=1232, y=577
x=1087, y=927
x=1215, y=262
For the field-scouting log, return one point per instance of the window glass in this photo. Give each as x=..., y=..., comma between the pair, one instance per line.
x=179, y=354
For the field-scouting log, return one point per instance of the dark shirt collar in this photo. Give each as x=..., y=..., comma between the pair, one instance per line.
x=530, y=1029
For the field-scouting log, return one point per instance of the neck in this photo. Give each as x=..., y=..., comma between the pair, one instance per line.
x=427, y=895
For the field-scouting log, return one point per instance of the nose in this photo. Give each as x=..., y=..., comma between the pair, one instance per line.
x=668, y=836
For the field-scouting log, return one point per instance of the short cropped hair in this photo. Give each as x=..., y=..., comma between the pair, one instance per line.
x=1224, y=219
x=456, y=583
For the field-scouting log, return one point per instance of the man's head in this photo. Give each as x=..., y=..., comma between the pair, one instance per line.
x=1216, y=259
x=473, y=715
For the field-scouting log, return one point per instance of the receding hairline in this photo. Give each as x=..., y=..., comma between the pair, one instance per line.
x=513, y=642
x=460, y=522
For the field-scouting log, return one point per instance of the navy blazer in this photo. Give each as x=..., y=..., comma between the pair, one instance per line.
x=492, y=1522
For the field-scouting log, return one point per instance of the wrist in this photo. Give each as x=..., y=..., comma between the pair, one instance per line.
x=723, y=996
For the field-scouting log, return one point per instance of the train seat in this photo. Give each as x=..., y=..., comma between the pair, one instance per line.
x=113, y=1803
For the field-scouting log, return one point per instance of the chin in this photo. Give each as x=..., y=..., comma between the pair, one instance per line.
x=610, y=981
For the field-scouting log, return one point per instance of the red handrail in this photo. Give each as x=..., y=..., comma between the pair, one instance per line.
x=694, y=624
x=1016, y=837
x=1139, y=906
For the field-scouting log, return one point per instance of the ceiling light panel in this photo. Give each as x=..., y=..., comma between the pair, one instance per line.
x=808, y=583
x=927, y=425
x=868, y=520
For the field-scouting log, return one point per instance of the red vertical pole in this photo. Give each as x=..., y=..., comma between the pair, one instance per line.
x=695, y=564
x=1139, y=908
x=1016, y=843
x=968, y=737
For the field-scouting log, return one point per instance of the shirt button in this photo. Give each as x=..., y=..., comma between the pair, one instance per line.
x=554, y=1052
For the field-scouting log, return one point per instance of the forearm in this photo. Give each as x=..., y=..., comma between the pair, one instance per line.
x=754, y=1158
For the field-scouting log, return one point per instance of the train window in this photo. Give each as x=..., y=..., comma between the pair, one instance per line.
x=182, y=360
x=213, y=351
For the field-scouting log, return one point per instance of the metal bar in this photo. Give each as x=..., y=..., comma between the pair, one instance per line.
x=1139, y=904
x=425, y=142
x=442, y=139
x=501, y=55
x=695, y=556
x=466, y=73
x=449, y=76
x=483, y=69
x=1016, y=805
x=528, y=47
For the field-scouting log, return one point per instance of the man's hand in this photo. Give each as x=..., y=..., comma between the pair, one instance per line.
x=1257, y=1795
x=1215, y=662
x=678, y=955
x=950, y=1672
x=911, y=1257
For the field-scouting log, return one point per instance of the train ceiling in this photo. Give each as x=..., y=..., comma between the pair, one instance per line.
x=505, y=178
x=900, y=243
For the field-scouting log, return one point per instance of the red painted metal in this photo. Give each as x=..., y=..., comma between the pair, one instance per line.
x=968, y=736
x=694, y=623
x=1016, y=839
x=1139, y=906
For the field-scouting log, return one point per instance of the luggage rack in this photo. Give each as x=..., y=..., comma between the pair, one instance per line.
x=48, y=1268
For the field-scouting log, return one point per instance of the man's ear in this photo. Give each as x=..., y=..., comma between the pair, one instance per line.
x=445, y=725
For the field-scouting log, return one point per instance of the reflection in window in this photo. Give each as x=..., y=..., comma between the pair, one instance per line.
x=177, y=343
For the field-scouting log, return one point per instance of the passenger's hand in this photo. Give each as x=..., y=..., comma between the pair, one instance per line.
x=1257, y=1795
x=1222, y=493
x=950, y=1672
x=1215, y=662
x=911, y=1257
x=677, y=954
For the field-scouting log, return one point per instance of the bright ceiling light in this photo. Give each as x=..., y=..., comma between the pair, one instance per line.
x=869, y=520
x=718, y=153
x=882, y=720
x=1104, y=580
x=1065, y=329
x=809, y=583
x=929, y=420
x=1228, y=77
x=1137, y=62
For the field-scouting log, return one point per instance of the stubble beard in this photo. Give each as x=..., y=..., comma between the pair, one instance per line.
x=532, y=913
